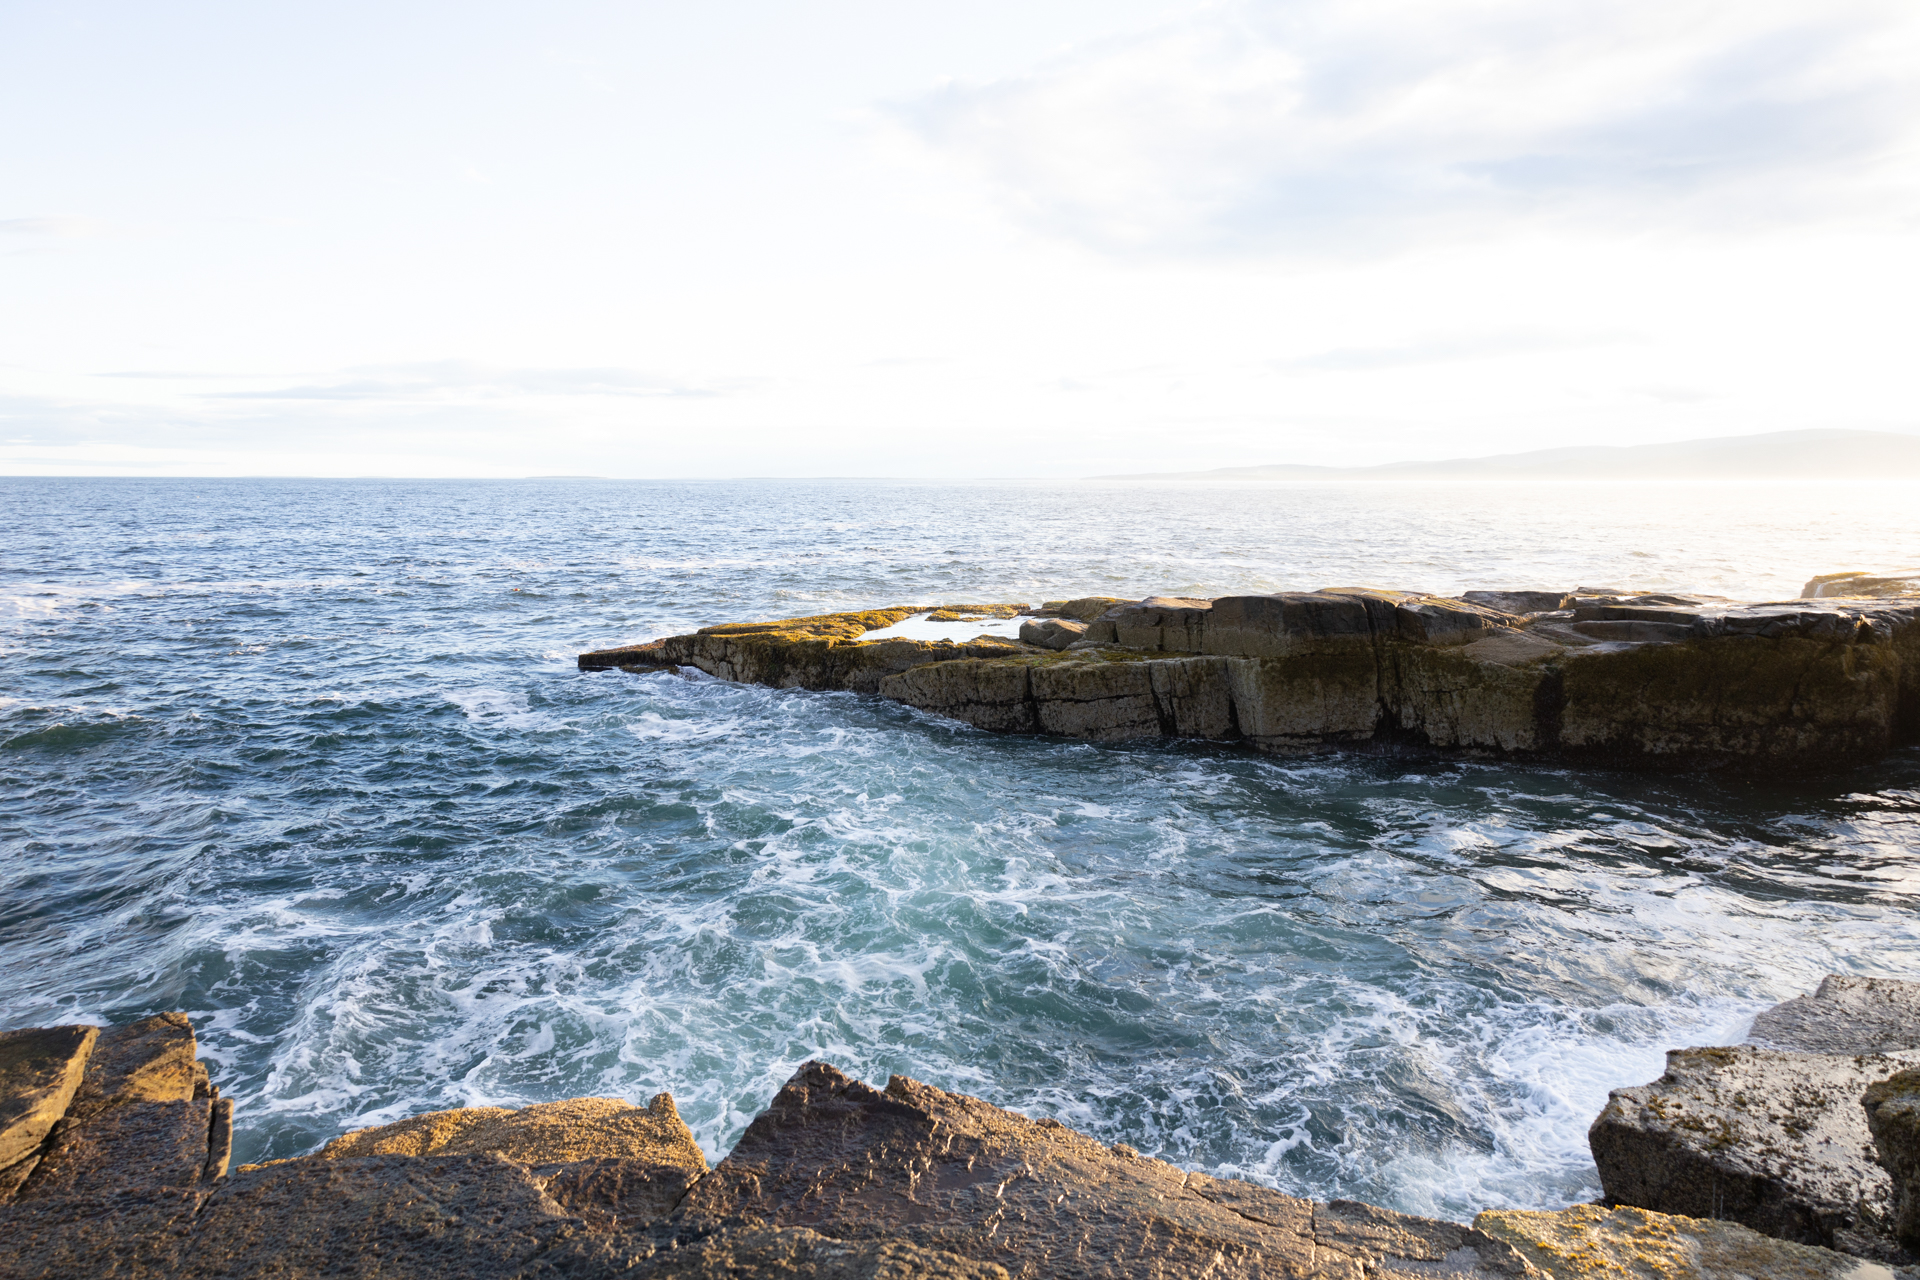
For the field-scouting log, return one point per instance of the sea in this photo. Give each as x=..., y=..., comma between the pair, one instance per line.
x=312, y=761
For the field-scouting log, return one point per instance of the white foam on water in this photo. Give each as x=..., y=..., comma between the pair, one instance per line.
x=504, y=709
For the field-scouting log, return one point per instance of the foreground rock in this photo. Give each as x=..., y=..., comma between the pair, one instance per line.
x=1600, y=677
x=1771, y=1139
x=953, y=1173
x=1893, y=1118
x=1773, y=1133
x=1633, y=1244
x=40, y=1069
x=834, y=1181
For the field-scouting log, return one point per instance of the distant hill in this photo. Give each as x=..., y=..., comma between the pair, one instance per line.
x=1777, y=455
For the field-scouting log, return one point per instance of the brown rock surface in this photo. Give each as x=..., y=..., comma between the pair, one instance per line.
x=457, y=1216
x=1774, y=1140
x=153, y=1060
x=1892, y=1108
x=40, y=1070
x=1052, y=633
x=547, y=1133
x=1588, y=1242
x=795, y=1253
x=608, y=1193
x=124, y=1235
x=134, y=1147
x=954, y=1173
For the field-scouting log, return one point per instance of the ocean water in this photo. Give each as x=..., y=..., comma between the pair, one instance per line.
x=311, y=760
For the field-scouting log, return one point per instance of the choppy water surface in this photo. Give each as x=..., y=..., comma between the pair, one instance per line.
x=311, y=761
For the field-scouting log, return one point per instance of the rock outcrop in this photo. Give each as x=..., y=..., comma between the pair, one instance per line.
x=1773, y=1133
x=834, y=1181
x=948, y=1172
x=1601, y=677
x=1893, y=1118
x=40, y=1070
x=1881, y=585
x=1771, y=1139
x=1634, y=1244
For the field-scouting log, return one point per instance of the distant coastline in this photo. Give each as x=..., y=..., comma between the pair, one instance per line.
x=1825, y=454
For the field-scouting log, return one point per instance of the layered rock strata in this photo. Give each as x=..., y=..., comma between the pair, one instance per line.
x=834, y=1181
x=1773, y=1134
x=1601, y=677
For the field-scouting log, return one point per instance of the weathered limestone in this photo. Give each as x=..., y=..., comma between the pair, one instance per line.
x=1772, y=1139
x=1846, y=1015
x=1603, y=677
x=1595, y=1243
x=1893, y=1118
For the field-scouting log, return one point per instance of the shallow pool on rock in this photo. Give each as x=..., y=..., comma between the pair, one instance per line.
x=311, y=761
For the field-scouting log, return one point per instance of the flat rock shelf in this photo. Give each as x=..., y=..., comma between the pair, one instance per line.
x=1603, y=677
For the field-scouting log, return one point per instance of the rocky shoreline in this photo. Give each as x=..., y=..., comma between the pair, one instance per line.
x=114, y=1149
x=1600, y=677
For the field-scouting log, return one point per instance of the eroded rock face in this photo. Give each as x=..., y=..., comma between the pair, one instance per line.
x=1846, y=1015
x=949, y=1172
x=1594, y=1243
x=1892, y=1109
x=1771, y=1139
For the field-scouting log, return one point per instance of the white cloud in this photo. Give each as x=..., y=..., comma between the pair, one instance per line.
x=63, y=228
x=460, y=380
x=1344, y=125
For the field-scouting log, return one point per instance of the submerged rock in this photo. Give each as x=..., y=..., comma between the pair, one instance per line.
x=1772, y=1139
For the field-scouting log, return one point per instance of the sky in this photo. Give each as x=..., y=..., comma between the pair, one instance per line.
x=1045, y=238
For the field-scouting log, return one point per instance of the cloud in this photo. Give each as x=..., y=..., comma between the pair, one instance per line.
x=1266, y=125
x=1442, y=350
x=62, y=228
x=460, y=380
